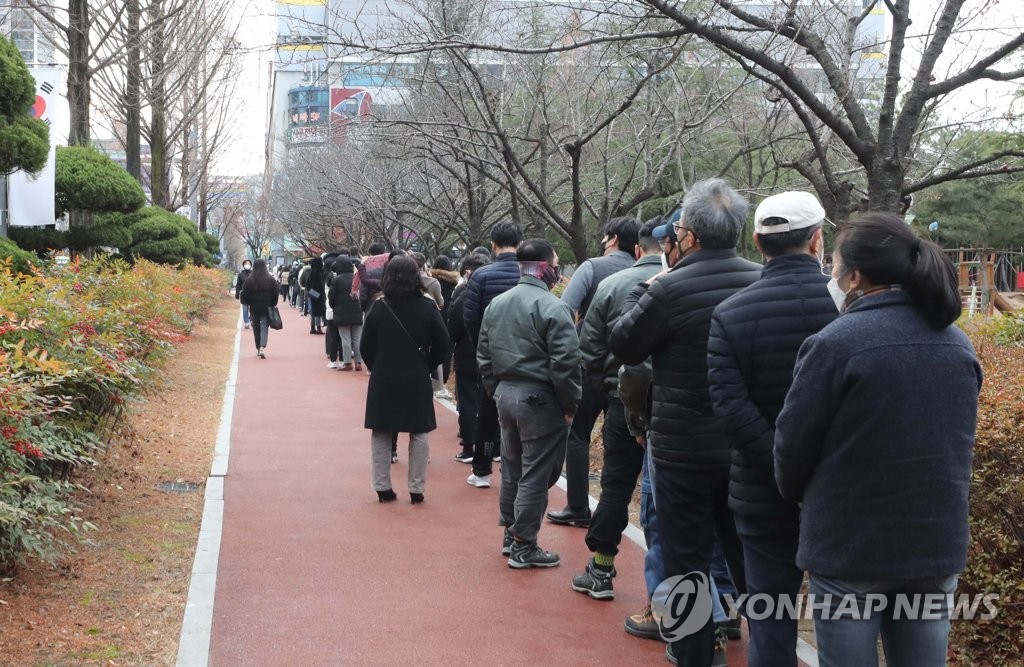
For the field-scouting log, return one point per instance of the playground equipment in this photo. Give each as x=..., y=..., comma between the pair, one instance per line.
x=990, y=282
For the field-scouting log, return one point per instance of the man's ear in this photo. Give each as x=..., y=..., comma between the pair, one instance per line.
x=757, y=242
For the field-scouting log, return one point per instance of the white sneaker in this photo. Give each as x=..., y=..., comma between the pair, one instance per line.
x=443, y=394
x=332, y=364
x=479, y=482
x=262, y=354
x=247, y=326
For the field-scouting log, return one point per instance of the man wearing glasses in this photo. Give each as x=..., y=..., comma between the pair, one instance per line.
x=668, y=318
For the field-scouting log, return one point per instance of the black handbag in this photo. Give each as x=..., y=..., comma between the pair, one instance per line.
x=274, y=315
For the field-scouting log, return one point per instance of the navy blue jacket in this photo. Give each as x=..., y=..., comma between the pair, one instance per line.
x=485, y=283
x=876, y=439
x=755, y=335
x=670, y=322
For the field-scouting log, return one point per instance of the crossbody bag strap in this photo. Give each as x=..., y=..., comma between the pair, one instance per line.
x=406, y=331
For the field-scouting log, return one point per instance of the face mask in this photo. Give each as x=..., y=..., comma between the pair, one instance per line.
x=837, y=294
x=550, y=276
x=246, y=267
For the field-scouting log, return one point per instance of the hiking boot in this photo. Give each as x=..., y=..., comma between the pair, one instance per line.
x=527, y=554
x=506, y=543
x=595, y=582
x=644, y=625
x=570, y=517
x=720, y=659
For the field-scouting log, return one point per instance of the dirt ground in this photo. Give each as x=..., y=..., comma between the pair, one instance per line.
x=120, y=599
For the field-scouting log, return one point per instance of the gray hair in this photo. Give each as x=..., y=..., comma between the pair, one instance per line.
x=715, y=212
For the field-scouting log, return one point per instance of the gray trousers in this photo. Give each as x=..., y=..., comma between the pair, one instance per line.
x=533, y=436
x=380, y=451
x=350, y=335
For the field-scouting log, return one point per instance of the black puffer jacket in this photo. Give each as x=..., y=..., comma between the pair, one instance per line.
x=669, y=322
x=755, y=336
x=464, y=348
x=345, y=306
x=487, y=282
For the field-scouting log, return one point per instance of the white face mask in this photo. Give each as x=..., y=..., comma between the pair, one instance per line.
x=837, y=294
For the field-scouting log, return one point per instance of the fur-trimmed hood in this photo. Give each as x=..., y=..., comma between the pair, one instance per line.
x=446, y=276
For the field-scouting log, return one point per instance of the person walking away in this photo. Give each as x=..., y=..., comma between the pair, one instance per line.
x=623, y=456
x=282, y=280
x=403, y=338
x=668, y=318
x=315, y=296
x=529, y=361
x=293, y=283
x=487, y=282
x=259, y=293
x=467, y=378
x=239, y=281
x=348, y=317
x=617, y=253
x=752, y=348
x=875, y=441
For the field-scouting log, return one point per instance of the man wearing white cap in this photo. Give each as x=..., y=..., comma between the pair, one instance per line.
x=755, y=336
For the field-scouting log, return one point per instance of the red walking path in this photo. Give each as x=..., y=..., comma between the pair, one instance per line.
x=312, y=570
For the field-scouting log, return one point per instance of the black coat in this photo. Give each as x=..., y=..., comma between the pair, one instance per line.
x=670, y=322
x=345, y=306
x=259, y=300
x=464, y=357
x=400, y=396
x=755, y=336
x=316, y=282
x=240, y=280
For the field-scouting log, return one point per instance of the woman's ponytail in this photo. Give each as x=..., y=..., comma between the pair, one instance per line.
x=933, y=284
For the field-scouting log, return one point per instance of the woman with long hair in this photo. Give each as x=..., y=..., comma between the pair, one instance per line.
x=260, y=292
x=403, y=340
x=875, y=440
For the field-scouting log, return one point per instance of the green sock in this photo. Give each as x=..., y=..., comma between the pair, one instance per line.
x=604, y=561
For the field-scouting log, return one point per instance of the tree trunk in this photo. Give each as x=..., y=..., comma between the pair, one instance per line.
x=577, y=237
x=132, y=101
x=79, y=93
x=159, y=171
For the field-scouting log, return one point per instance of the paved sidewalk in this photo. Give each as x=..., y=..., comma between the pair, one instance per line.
x=314, y=571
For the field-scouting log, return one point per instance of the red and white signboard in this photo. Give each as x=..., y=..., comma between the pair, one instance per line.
x=30, y=198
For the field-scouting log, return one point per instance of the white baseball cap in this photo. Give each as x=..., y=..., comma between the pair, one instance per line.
x=799, y=209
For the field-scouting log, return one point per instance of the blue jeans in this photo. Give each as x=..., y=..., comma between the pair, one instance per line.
x=851, y=641
x=245, y=313
x=654, y=564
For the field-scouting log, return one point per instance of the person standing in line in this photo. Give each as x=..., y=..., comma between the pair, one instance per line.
x=403, y=339
x=431, y=285
x=369, y=273
x=303, y=280
x=259, y=292
x=529, y=359
x=467, y=378
x=487, y=282
x=623, y=456
x=668, y=318
x=239, y=281
x=448, y=279
x=617, y=253
x=752, y=348
x=293, y=283
x=315, y=296
x=282, y=280
x=875, y=442
x=348, y=317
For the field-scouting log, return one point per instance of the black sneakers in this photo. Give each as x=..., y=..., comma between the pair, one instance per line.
x=506, y=543
x=595, y=582
x=524, y=555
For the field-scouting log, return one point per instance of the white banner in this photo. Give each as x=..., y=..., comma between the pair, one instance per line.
x=30, y=198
